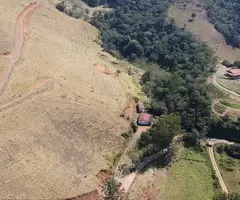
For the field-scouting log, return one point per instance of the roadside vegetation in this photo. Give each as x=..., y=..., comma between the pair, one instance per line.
x=228, y=158
x=231, y=104
x=73, y=10
x=219, y=108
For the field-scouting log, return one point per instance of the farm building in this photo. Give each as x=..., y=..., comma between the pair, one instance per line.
x=140, y=107
x=227, y=63
x=145, y=119
x=233, y=73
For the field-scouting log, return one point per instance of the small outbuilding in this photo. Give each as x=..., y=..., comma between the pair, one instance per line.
x=140, y=107
x=145, y=119
x=227, y=63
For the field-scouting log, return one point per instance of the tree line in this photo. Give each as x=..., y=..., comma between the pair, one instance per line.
x=140, y=31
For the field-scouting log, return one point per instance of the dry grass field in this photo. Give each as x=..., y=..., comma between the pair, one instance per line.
x=150, y=184
x=63, y=116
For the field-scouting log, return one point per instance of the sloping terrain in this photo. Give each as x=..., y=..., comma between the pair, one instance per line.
x=206, y=32
x=64, y=118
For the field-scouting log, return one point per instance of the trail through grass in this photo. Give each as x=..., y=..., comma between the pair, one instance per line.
x=231, y=104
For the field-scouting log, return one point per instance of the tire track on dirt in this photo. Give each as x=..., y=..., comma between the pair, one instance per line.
x=37, y=87
x=13, y=56
x=131, y=144
x=19, y=36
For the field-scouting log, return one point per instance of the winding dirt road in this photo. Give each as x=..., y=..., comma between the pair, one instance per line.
x=20, y=32
x=127, y=181
x=13, y=56
x=131, y=144
x=211, y=143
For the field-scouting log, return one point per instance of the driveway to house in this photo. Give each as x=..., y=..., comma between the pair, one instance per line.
x=211, y=143
x=127, y=181
x=131, y=144
x=232, y=94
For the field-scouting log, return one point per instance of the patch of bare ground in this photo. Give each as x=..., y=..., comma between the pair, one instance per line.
x=149, y=185
x=52, y=144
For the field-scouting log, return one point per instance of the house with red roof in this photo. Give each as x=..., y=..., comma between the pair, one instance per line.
x=145, y=119
x=233, y=73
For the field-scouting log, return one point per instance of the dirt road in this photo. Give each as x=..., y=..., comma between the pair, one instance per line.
x=213, y=142
x=217, y=172
x=128, y=180
x=20, y=30
x=131, y=144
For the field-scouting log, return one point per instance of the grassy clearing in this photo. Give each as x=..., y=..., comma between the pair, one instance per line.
x=230, y=170
x=190, y=177
x=231, y=104
x=220, y=108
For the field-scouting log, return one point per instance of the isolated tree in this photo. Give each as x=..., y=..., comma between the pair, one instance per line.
x=111, y=190
x=61, y=6
x=194, y=15
x=236, y=64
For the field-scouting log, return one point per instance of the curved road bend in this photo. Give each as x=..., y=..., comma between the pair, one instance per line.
x=213, y=142
x=233, y=95
x=128, y=180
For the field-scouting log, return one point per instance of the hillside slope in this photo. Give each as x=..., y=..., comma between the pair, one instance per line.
x=63, y=116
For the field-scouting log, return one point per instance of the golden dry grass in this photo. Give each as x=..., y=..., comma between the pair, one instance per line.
x=53, y=143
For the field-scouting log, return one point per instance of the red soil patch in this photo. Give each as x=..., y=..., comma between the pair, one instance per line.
x=146, y=193
x=94, y=195
x=102, y=177
x=20, y=29
x=102, y=68
x=36, y=84
x=128, y=111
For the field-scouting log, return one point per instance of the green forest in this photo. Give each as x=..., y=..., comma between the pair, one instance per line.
x=225, y=15
x=140, y=31
x=177, y=65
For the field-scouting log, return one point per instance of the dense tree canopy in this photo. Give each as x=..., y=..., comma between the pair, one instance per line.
x=225, y=128
x=225, y=15
x=161, y=134
x=232, y=196
x=140, y=30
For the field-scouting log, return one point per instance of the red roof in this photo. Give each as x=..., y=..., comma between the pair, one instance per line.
x=233, y=72
x=145, y=117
